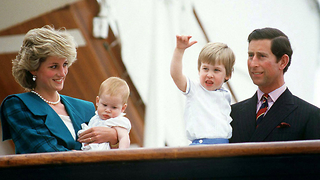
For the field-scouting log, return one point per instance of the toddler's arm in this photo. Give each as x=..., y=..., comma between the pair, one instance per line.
x=176, y=63
x=123, y=136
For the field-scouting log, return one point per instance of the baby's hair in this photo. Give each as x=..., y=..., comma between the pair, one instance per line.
x=217, y=53
x=114, y=86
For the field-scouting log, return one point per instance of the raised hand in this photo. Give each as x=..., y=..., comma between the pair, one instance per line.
x=183, y=42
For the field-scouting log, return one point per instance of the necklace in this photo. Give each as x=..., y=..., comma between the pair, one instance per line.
x=49, y=102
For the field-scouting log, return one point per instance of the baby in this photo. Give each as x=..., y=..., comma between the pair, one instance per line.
x=111, y=102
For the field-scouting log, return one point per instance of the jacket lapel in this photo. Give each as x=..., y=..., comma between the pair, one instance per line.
x=74, y=114
x=277, y=113
x=75, y=119
x=52, y=119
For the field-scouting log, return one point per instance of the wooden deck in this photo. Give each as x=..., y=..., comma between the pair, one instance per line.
x=276, y=160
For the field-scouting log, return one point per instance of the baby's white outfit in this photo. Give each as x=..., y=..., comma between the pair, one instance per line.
x=95, y=121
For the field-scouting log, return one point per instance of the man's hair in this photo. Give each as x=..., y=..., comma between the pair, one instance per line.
x=280, y=44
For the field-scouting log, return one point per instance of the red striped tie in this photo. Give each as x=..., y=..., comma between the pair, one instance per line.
x=263, y=109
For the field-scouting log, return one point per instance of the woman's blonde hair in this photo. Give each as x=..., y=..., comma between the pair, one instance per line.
x=114, y=86
x=37, y=46
x=217, y=52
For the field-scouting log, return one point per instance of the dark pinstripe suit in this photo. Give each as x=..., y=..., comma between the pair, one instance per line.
x=290, y=118
x=35, y=127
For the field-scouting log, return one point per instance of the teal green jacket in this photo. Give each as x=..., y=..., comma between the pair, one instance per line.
x=35, y=127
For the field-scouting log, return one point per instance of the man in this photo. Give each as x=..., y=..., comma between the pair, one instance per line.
x=283, y=116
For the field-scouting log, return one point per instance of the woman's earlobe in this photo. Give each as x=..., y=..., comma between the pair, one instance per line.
x=34, y=73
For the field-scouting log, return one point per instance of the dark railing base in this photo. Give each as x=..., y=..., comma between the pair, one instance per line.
x=269, y=161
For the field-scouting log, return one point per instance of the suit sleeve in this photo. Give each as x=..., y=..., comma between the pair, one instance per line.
x=28, y=131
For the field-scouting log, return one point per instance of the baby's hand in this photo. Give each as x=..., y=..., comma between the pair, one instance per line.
x=183, y=42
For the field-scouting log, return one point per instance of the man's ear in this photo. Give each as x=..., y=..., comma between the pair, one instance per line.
x=283, y=61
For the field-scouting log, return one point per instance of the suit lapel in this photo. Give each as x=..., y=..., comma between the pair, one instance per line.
x=278, y=112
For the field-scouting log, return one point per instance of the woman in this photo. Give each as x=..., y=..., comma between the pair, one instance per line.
x=42, y=120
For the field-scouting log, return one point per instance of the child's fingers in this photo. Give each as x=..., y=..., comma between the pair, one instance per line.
x=189, y=37
x=183, y=41
x=193, y=42
x=183, y=37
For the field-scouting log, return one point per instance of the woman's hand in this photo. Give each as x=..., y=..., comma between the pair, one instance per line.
x=99, y=135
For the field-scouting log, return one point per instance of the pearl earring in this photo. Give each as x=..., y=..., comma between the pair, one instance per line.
x=34, y=77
